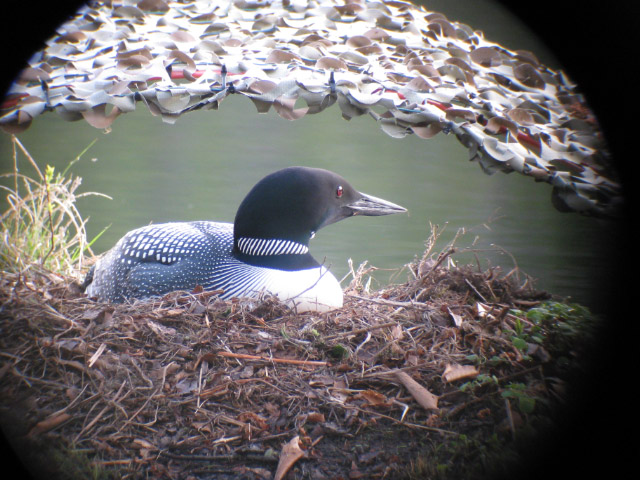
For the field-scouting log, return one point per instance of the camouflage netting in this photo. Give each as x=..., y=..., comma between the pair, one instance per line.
x=413, y=71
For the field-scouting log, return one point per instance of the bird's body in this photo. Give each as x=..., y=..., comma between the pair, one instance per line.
x=265, y=251
x=161, y=258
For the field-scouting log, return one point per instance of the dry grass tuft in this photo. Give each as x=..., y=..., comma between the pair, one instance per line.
x=41, y=227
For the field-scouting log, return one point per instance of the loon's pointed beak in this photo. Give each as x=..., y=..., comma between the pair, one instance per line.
x=373, y=206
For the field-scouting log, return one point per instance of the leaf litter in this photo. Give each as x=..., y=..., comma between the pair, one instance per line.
x=437, y=377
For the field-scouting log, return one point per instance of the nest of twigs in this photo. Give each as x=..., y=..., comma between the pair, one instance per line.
x=420, y=380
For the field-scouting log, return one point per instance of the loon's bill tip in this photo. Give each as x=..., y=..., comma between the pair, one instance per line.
x=374, y=206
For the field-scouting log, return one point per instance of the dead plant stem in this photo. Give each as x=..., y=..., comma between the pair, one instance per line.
x=244, y=356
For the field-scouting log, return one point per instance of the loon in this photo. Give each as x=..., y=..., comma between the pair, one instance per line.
x=265, y=250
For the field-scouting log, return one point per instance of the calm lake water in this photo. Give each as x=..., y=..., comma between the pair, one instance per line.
x=201, y=168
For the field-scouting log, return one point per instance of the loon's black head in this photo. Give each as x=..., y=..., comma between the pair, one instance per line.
x=285, y=209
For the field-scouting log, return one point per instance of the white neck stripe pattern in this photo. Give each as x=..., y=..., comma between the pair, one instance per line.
x=271, y=246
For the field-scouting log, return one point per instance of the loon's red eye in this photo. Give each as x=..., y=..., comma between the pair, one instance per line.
x=339, y=191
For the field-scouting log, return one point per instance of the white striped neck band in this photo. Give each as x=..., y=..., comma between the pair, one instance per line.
x=270, y=246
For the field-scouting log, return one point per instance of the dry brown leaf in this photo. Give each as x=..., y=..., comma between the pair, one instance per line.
x=482, y=309
x=250, y=417
x=374, y=398
x=202, y=426
x=457, y=319
x=49, y=423
x=321, y=381
x=396, y=332
x=424, y=397
x=161, y=329
x=315, y=417
x=457, y=372
x=142, y=443
x=291, y=453
x=98, y=315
